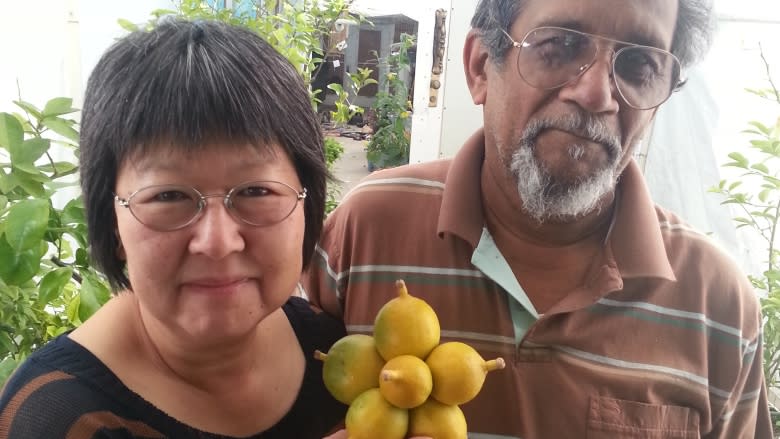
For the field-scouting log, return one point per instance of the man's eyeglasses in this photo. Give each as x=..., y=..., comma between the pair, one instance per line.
x=551, y=57
x=171, y=207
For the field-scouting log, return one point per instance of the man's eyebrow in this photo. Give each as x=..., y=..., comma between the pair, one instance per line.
x=632, y=38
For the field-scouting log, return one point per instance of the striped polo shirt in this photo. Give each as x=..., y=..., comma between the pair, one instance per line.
x=662, y=340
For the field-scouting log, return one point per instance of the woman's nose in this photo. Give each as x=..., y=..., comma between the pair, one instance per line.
x=216, y=233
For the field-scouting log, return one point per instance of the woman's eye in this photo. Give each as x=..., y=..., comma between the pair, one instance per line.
x=171, y=196
x=254, y=191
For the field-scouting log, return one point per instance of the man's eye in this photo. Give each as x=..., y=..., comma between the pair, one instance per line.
x=560, y=49
x=638, y=66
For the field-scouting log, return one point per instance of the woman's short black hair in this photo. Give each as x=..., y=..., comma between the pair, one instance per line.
x=186, y=84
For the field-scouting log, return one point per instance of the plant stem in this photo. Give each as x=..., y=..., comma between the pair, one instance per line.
x=768, y=73
x=60, y=263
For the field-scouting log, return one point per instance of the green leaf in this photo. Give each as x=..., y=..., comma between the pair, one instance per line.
x=18, y=267
x=761, y=127
x=11, y=131
x=8, y=182
x=761, y=168
x=60, y=168
x=92, y=296
x=26, y=223
x=3, y=201
x=734, y=185
x=764, y=195
x=7, y=367
x=74, y=213
x=62, y=127
x=52, y=284
x=127, y=25
x=31, y=184
x=58, y=107
x=24, y=155
x=82, y=258
x=31, y=109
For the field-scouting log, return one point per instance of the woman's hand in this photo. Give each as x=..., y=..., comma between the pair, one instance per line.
x=342, y=434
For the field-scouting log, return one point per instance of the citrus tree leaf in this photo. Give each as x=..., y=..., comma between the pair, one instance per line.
x=24, y=155
x=52, y=284
x=26, y=223
x=92, y=296
x=11, y=131
x=58, y=107
x=18, y=267
x=61, y=127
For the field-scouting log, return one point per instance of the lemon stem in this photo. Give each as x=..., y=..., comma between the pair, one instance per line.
x=496, y=364
x=320, y=356
x=401, y=285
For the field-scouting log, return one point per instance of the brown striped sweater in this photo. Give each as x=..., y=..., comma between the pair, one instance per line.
x=663, y=340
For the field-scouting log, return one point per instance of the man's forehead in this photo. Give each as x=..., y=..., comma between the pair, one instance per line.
x=647, y=22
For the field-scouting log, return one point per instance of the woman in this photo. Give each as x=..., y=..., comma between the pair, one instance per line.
x=203, y=177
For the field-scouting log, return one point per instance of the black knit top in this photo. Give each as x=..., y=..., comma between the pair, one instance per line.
x=64, y=391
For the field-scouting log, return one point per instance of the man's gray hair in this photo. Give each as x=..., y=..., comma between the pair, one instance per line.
x=692, y=34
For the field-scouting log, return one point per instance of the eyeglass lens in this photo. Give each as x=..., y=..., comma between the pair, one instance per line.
x=550, y=57
x=170, y=207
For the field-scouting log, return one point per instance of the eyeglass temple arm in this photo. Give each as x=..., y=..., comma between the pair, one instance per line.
x=514, y=43
x=680, y=83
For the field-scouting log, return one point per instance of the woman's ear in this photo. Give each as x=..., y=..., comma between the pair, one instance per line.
x=475, y=63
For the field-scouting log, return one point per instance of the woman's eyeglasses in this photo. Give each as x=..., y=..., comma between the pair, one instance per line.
x=172, y=207
x=551, y=57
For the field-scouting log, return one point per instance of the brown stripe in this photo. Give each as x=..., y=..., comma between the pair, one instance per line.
x=89, y=424
x=9, y=413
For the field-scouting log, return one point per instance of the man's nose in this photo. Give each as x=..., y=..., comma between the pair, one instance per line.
x=594, y=90
x=216, y=233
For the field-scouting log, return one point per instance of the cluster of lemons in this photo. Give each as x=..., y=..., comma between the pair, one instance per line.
x=402, y=381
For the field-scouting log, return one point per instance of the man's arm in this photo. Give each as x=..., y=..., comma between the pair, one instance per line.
x=747, y=413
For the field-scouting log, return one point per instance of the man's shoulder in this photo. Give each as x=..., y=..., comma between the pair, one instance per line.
x=698, y=259
x=411, y=186
x=435, y=171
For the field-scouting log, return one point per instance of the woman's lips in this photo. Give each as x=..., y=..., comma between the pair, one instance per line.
x=216, y=285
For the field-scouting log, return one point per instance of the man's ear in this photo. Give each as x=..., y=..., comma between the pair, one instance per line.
x=475, y=63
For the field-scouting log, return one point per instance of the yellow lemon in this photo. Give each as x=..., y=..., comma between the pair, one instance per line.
x=405, y=381
x=437, y=420
x=370, y=416
x=406, y=325
x=458, y=372
x=352, y=366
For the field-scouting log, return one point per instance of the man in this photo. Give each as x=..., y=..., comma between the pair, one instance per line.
x=539, y=242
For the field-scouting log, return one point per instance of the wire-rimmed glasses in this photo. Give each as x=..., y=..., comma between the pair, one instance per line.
x=550, y=57
x=171, y=207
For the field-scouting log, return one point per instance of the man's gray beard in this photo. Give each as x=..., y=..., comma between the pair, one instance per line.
x=546, y=199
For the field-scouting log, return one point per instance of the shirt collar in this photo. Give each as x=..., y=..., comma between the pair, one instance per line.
x=461, y=205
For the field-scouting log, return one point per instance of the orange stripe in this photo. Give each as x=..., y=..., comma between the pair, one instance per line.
x=13, y=405
x=89, y=424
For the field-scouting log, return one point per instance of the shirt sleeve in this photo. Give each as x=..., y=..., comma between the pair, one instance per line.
x=747, y=414
x=325, y=280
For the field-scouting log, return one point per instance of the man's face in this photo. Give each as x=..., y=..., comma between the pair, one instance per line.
x=564, y=148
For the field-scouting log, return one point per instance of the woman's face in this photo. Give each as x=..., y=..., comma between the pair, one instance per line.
x=217, y=277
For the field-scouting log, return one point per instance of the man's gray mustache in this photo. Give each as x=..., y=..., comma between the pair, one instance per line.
x=585, y=126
